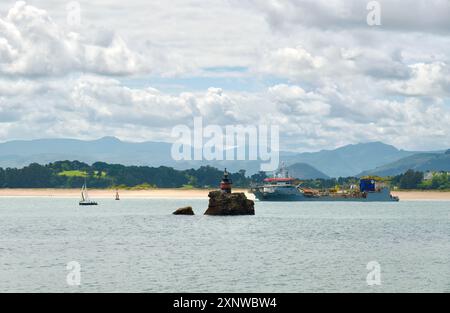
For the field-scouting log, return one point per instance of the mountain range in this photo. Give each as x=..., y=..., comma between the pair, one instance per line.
x=421, y=162
x=350, y=160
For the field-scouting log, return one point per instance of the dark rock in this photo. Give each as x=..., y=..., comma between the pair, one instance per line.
x=184, y=211
x=229, y=204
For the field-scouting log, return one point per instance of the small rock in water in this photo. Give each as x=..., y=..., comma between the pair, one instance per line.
x=221, y=203
x=184, y=211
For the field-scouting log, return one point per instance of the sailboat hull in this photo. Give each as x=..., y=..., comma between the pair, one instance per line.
x=88, y=203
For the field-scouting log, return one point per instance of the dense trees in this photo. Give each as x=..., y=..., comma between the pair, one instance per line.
x=259, y=177
x=409, y=180
x=32, y=176
x=72, y=174
x=2, y=177
x=439, y=181
x=62, y=166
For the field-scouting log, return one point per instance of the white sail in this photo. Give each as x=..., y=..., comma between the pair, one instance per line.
x=86, y=195
x=83, y=197
x=85, y=200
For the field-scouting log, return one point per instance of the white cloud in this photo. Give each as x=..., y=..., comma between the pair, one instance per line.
x=396, y=15
x=294, y=100
x=32, y=44
x=92, y=106
x=313, y=67
x=429, y=80
x=291, y=62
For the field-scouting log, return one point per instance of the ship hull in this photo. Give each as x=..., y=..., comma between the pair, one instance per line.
x=383, y=196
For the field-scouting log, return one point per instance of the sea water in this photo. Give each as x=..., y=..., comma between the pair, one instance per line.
x=137, y=245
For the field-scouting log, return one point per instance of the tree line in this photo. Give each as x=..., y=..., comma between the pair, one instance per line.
x=415, y=180
x=73, y=174
x=410, y=180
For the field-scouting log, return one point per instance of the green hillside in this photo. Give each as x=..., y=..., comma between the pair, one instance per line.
x=305, y=171
x=421, y=162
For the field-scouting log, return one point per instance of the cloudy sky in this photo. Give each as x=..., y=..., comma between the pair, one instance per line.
x=134, y=69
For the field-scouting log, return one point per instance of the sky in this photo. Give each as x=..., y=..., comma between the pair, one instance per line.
x=135, y=69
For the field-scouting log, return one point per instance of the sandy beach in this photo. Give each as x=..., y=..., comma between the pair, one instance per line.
x=109, y=193
x=422, y=195
x=184, y=194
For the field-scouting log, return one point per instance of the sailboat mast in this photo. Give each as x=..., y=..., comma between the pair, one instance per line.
x=82, y=192
x=86, y=189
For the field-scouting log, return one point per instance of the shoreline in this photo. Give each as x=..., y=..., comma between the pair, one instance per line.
x=157, y=193
x=419, y=195
x=173, y=193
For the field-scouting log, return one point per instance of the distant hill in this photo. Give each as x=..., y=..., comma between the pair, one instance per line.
x=352, y=159
x=419, y=162
x=345, y=161
x=108, y=149
x=305, y=171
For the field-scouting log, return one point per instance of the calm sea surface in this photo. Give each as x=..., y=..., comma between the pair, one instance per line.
x=136, y=245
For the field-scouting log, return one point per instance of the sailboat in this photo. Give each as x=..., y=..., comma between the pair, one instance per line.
x=117, y=195
x=85, y=200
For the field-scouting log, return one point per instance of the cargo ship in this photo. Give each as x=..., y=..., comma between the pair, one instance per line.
x=282, y=187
